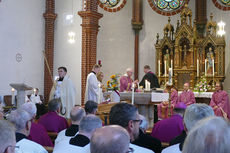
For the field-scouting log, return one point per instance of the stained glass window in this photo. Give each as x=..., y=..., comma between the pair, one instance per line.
x=168, y=5
x=225, y=2
x=110, y=3
x=222, y=4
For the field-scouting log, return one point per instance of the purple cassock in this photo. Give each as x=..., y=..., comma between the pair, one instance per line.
x=167, y=129
x=187, y=97
x=125, y=83
x=221, y=100
x=162, y=109
x=53, y=122
x=38, y=134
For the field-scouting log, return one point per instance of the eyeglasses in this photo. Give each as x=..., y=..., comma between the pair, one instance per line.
x=131, y=150
x=10, y=146
x=140, y=121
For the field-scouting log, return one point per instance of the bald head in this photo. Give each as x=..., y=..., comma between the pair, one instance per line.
x=113, y=139
x=186, y=86
x=76, y=114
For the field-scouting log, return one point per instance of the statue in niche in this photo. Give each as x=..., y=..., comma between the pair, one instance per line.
x=184, y=57
x=167, y=59
x=209, y=58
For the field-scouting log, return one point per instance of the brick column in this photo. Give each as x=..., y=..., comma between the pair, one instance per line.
x=90, y=27
x=201, y=16
x=50, y=17
x=137, y=22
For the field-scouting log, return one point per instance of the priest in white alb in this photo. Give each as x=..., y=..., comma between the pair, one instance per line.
x=92, y=85
x=64, y=89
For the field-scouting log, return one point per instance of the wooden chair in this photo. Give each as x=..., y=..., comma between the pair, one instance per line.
x=53, y=136
x=49, y=149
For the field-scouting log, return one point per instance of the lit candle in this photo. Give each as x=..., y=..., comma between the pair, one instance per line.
x=205, y=67
x=133, y=86
x=159, y=68
x=165, y=68
x=197, y=68
x=170, y=76
x=172, y=67
x=13, y=97
x=213, y=67
x=99, y=93
x=34, y=91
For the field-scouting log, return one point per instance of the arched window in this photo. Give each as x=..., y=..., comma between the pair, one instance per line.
x=112, y=5
x=222, y=4
x=167, y=7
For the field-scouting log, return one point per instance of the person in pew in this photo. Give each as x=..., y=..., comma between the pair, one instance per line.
x=64, y=89
x=210, y=135
x=126, y=81
x=146, y=140
x=7, y=137
x=22, y=121
x=127, y=116
x=76, y=114
x=151, y=77
x=38, y=133
x=91, y=107
x=80, y=143
x=162, y=109
x=165, y=130
x=52, y=121
x=187, y=96
x=220, y=102
x=193, y=114
x=110, y=139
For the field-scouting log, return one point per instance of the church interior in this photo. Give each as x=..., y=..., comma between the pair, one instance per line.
x=182, y=42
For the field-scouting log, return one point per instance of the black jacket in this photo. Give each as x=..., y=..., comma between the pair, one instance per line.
x=152, y=78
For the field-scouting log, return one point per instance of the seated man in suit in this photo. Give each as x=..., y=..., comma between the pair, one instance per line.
x=52, y=121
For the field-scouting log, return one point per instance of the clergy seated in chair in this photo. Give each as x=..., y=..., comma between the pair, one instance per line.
x=76, y=114
x=146, y=140
x=110, y=139
x=22, y=121
x=91, y=107
x=38, y=133
x=127, y=116
x=220, y=102
x=52, y=121
x=187, y=96
x=193, y=114
x=80, y=143
x=163, y=109
x=210, y=135
x=167, y=129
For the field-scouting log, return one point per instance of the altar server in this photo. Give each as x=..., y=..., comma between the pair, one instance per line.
x=92, y=85
x=220, y=102
x=64, y=89
x=151, y=77
x=187, y=96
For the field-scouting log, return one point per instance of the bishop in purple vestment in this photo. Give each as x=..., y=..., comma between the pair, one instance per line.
x=167, y=129
x=162, y=108
x=187, y=96
x=126, y=81
x=220, y=102
x=38, y=134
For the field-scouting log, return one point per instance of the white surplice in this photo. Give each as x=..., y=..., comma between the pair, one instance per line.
x=92, y=88
x=67, y=94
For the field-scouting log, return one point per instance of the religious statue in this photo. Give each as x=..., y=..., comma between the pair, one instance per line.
x=184, y=57
x=167, y=60
x=209, y=59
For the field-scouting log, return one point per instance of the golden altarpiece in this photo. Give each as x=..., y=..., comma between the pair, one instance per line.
x=189, y=55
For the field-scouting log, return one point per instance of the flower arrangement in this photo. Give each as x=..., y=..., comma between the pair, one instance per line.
x=202, y=85
x=113, y=83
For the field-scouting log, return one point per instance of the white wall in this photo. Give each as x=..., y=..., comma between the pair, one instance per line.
x=66, y=54
x=22, y=31
x=224, y=16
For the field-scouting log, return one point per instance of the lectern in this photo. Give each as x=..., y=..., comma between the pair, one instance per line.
x=21, y=92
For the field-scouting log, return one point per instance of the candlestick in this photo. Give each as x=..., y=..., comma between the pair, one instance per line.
x=13, y=97
x=34, y=91
x=213, y=67
x=205, y=67
x=197, y=68
x=172, y=67
x=159, y=68
x=99, y=93
x=165, y=68
x=133, y=86
x=170, y=76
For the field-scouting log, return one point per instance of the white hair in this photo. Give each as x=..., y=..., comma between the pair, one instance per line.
x=144, y=124
x=7, y=134
x=129, y=70
x=196, y=112
x=30, y=108
x=19, y=118
x=210, y=135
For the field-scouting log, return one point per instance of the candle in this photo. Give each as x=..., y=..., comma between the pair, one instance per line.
x=159, y=68
x=34, y=91
x=213, y=67
x=172, y=67
x=133, y=86
x=205, y=67
x=13, y=97
x=197, y=68
x=165, y=68
x=170, y=76
x=99, y=93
